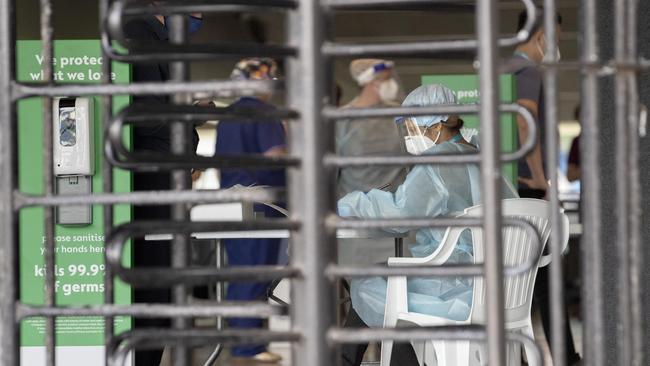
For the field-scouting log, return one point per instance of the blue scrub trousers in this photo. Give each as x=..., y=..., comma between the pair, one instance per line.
x=248, y=252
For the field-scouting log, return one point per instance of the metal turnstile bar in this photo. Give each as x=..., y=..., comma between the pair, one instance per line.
x=146, y=52
x=156, y=338
x=449, y=332
x=404, y=5
x=556, y=277
x=161, y=276
x=9, y=331
x=47, y=53
x=207, y=6
x=591, y=244
x=107, y=185
x=310, y=197
x=233, y=309
x=418, y=49
x=486, y=28
x=227, y=88
x=151, y=198
x=628, y=191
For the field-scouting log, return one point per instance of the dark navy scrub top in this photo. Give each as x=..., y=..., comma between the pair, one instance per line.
x=238, y=138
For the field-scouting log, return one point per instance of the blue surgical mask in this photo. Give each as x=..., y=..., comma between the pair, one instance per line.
x=193, y=25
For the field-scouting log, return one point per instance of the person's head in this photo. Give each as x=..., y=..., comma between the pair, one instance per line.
x=535, y=46
x=255, y=69
x=376, y=78
x=423, y=132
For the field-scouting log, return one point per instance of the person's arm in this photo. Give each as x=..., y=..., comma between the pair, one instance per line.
x=573, y=170
x=276, y=151
x=422, y=194
x=271, y=138
x=534, y=159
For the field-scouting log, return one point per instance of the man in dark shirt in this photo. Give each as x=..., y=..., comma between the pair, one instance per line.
x=524, y=65
x=151, y=29
x=573, y=169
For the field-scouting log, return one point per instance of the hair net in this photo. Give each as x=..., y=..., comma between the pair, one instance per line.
x=427, y=95
x=255, y=68
x=364, y=70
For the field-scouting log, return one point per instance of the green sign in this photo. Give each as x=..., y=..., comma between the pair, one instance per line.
x=466, y=88
x=79, y=249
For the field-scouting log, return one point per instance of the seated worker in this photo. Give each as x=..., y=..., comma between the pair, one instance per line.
x=378, y=87
x=428, y=191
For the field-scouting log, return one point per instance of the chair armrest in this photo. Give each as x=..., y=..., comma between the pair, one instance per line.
x=438, y=257
x=406, y=261
x=424, y=320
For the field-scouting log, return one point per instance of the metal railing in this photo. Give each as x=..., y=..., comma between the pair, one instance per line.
x=310, y=164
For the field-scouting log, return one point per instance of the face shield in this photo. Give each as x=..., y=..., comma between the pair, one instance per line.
x=381, y=75
x=421, y=133
x=417, y=139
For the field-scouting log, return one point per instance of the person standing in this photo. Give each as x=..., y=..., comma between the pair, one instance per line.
x=573, y=166
x=263, y=137
x=379, y=88
x=156, y=138
x=524, y=65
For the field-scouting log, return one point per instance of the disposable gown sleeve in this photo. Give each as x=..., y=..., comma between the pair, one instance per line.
x=423, y=194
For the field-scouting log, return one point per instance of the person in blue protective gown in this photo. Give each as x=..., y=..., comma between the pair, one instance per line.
x=428, y=191
x=264, y=137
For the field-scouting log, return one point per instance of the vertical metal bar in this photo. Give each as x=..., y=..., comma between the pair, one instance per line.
x=220, y=296
x=487, y=26
x=556, y=283
x=9, y=329
x=48, y=176
x=107, y=183
x=635, y=212
x=313, y=309
x=624, y=335
x=635, y=255
x=591, y=246
x=180, y=137
x=221, y=288
x=633, y=187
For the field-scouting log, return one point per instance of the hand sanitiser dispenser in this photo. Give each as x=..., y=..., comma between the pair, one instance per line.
x=74, y=157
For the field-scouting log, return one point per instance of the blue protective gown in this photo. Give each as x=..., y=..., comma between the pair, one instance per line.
x=236, y=138
x=428, y=191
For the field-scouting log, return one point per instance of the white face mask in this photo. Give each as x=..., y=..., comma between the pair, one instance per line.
x=558, y=54
x=388, y=91
x=416, y=145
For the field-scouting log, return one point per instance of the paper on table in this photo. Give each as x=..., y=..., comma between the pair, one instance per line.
x=269, y=204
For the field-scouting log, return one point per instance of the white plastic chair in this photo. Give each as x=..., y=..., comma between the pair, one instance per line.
x=517, y=249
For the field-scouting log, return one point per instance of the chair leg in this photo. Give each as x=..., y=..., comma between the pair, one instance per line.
x=513, y=354
x=452, y=353
x=419, y=349
x=395, y=304
x=528, y=332
x=430, y=358
x=386, y=353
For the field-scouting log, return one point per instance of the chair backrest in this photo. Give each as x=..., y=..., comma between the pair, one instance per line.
x=518, y=248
